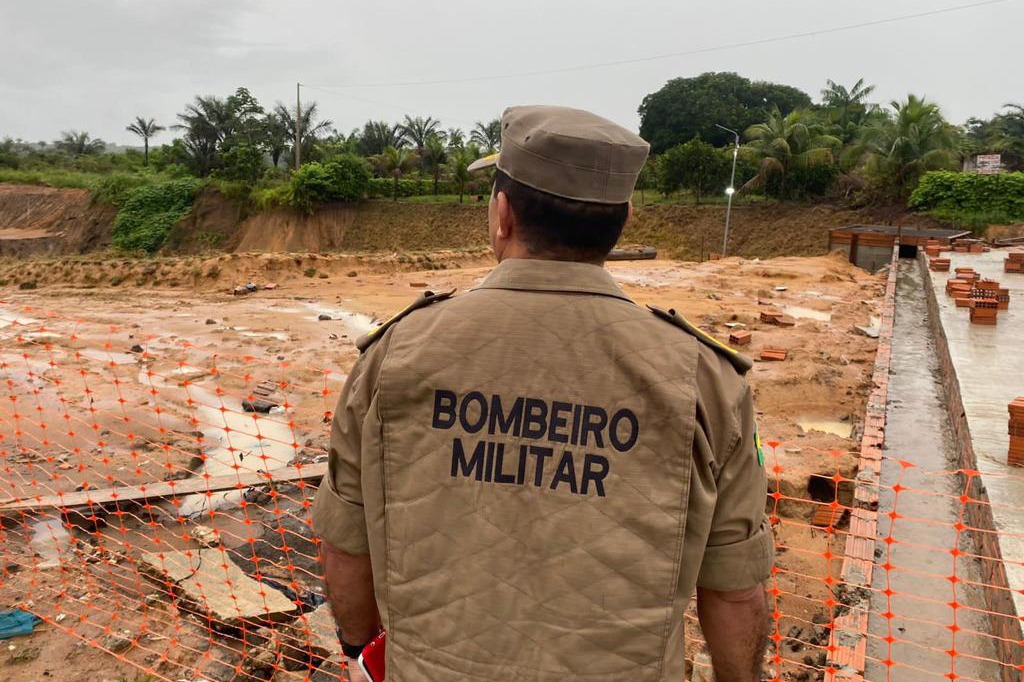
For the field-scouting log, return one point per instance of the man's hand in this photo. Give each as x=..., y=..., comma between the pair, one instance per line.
x=735, y=626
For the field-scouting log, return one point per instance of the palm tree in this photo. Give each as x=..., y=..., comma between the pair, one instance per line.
x=79, y=143
x=207, y=122
x=311, y=129
x=145, y=129
x=456, y=138
x=418, y=130
x=395, y=162
x=787, y=142
x=458, y=166
x=847, y=107
x=487, y=136
x=902, y=147
x=378, y=136
x=434, y=157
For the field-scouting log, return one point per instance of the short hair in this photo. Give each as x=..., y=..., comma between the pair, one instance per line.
x=562, y=229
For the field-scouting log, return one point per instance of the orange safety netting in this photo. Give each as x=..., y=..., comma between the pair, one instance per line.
x=150, y=514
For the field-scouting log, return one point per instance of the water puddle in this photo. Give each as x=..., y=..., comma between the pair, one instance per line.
x=50, y=540
x=280, y=336
x=242, y=442
x=836, y=428
x=800, y=312
x=356, y=323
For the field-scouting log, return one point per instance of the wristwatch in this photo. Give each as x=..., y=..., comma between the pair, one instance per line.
x=350, y=650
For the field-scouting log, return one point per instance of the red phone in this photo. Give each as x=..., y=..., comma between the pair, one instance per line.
x=371, y=660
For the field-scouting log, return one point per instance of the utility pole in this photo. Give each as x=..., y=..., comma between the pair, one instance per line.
x=731, y=189
x=298, y=125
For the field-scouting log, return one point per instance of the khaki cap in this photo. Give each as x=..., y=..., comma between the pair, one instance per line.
x=569, y=153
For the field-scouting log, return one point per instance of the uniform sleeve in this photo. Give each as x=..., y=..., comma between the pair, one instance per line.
x=338, y=514
x=740, y=549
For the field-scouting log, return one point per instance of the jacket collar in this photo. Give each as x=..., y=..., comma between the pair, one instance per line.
x=521, y=274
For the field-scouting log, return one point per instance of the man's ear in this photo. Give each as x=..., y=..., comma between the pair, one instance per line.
x=506, y=218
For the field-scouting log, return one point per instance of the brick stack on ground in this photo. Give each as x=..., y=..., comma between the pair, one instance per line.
x=1014, y=263
x=739, y=337
x=1016, y=454
x=983, y=297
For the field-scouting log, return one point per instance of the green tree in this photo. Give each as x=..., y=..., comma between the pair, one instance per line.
x=1003, y=134
x=456, y=138
x=487, y=136
x=278, y=136
x=418, y=130
x=787, y=142
x=378, y=136
x=847, y=108
x=206, y=123
x=693, y=107
x=145, y=129
x=396, y=162
x=913, y=139
x=434, y=156
x=312, y=128
x=9, y=156
x=344, y=178
x=648, y=178
x=695, y=165
x=78, y=143
x=459, y=160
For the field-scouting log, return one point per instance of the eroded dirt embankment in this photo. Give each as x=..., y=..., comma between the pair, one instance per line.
x=50, y=222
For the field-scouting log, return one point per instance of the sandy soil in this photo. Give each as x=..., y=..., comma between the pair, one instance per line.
x=86, y=410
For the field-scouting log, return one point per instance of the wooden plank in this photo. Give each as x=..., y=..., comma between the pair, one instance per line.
x=147, y=491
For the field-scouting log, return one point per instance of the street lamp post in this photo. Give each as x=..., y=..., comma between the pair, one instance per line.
x=731, y=189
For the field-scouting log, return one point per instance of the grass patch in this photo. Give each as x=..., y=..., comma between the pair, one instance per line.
x=52, y=177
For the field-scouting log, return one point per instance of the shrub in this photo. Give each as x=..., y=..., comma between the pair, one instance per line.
x=384, y=188
x=957, y=195
x=345, y=178
x=150, y=211
x=114, y=189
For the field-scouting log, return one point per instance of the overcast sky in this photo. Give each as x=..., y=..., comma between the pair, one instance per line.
x=95, y=64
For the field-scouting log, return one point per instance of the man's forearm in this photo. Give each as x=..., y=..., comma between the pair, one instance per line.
x=735, y=626
x=349, y=579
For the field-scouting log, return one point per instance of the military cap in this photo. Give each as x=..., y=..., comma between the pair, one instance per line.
x=569, y=153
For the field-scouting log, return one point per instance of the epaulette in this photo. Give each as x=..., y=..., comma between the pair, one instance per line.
x=428, y=297
x=740, y=362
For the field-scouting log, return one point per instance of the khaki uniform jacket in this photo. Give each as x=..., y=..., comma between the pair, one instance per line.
x=542, y=471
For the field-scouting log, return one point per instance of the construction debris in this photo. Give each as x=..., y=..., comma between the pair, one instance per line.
x=208, y=582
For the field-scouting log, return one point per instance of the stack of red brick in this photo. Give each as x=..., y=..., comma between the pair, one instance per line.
x=1014, y=262
x=1016, y=456
x=983, y=297
x=934, y=248
x=938, y=264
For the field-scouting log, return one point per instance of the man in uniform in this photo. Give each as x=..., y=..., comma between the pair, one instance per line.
x=528, y=481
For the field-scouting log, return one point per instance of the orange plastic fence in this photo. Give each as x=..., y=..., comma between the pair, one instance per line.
x=218, y=578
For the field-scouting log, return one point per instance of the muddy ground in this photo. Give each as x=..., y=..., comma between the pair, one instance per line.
x=82, y=408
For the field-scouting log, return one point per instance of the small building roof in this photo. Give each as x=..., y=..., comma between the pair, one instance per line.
x=936, y=233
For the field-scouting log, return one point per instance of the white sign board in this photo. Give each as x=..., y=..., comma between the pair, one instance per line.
x=989, y=164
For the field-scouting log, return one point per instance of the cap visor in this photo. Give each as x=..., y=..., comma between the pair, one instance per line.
x=485, y=162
